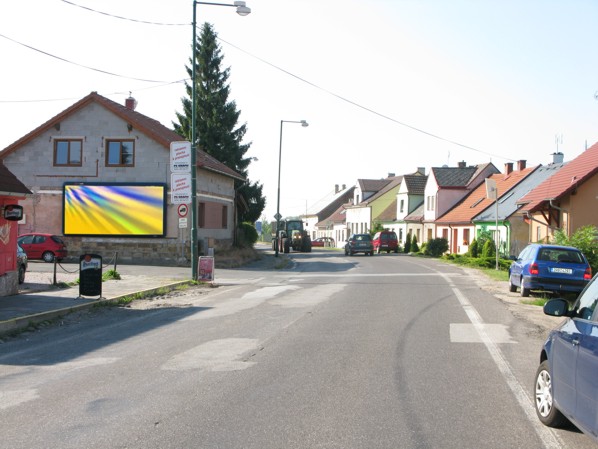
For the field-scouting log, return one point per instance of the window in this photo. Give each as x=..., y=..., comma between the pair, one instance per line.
x=120, y=153
x=402, y=206
x=445, y=233
x=67, y=152
x=466, y=236
x=201, y=215
x=224, y=217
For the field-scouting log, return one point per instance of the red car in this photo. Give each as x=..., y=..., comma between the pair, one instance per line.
x=323, y=241
x=46, y=247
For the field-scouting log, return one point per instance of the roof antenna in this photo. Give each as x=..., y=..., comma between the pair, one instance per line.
x=558, y=139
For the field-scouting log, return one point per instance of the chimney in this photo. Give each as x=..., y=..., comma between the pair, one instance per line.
x=335, y=188
x=557, y=158
x=521, y=164
x=462, y=164
x=391, y=175
x=130, y=103
x=508, y=168
x=344, y=186
x=421, y=170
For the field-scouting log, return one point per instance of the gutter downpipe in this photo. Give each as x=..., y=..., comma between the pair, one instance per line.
x=563, y=211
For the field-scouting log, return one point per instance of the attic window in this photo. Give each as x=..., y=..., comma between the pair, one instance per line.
x=67, y=152
x=120, y=153
x=506, y=197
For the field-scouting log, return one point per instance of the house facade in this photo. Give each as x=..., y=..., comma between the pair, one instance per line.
x=566, y=201
x=410, y=197
x=457, y=224
x=445, y=187
x=99, y=141
x=359, y=215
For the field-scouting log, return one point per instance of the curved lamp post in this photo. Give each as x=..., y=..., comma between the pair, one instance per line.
x=242, y=10
x=277, y=216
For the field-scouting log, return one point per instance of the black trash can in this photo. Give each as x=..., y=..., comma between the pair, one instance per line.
x=90, y=275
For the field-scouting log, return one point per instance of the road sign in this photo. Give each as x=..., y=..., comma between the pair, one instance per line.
x=182, y=223
x=182, y=210
x=180, y=157
x=180, y=188
x=277, y=216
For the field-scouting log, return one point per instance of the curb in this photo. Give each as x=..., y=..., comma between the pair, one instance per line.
x=17, y=324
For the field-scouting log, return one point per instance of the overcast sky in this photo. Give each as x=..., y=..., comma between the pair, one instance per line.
x=387, y=86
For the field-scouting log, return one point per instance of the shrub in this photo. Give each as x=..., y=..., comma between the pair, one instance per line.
x=583, y=239
x=489, y=249
x=414, y=246
x=436, y=247
x=407, y=243
x=247, y=235
x=473, y=249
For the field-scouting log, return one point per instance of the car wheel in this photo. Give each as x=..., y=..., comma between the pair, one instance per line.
x=48, y=256
x=21, y=274
x=512, y=287
x=545, y=408
x=524, y=291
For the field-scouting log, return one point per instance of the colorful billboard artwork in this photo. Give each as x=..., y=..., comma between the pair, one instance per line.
x=119, y=209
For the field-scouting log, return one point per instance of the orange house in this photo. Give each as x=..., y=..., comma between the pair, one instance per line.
x=11, y=191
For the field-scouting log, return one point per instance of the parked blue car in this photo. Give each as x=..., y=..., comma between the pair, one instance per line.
x=566, y=385
x=551, y=268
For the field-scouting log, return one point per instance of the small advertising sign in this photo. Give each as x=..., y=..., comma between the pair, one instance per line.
x=180, y=188
x=206, y=269
x=180, y=157
x=90, y=275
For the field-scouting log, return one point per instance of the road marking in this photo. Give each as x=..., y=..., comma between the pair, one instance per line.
x=549, y=439
x=13, y=398
x=467, y=333
x=215, y=355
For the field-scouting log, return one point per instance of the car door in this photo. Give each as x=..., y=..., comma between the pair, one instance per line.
x=517, y=267
x=586, y=379
x=26, y=243
x=563, y=361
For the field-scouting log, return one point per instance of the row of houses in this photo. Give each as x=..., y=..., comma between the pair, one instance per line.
x=517, y=206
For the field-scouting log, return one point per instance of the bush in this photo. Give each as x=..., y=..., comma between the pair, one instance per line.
x=407, y=244
x=473, y=249
x=489, y=249
x=436, y=247
x=247, y=235
x=414, y=246
x=583, y=239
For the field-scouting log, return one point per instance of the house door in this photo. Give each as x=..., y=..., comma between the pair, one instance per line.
x=454, y=249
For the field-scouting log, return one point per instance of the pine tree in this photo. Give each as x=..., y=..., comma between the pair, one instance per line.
x=217, y=118
x=408, y=243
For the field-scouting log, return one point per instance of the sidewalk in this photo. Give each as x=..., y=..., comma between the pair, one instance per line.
x=28, y=308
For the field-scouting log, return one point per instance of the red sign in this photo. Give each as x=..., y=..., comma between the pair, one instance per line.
x=206, y=268
x=182, y=210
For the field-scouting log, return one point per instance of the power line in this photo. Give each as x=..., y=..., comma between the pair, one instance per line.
x=79, y=65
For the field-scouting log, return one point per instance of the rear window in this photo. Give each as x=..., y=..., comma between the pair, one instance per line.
x=363, y=237
x=57, y=239
x=560, y=255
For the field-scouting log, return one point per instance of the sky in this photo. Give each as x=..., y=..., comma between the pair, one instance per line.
x=387, y=86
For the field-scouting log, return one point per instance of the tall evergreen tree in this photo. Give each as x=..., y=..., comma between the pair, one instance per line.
x=217, y=118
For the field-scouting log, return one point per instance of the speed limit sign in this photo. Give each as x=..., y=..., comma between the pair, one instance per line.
x=182, y=210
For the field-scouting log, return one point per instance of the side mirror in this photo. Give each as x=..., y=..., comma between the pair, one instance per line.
x=557, y=307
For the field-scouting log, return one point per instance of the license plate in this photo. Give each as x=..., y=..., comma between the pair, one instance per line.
x=562, y=270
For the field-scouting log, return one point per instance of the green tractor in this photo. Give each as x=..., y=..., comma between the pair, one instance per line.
x=291, y=234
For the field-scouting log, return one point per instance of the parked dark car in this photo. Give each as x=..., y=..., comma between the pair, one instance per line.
x=551, y=268
x=21, y=263
x=566, y=385
x=386, y=241
x=46, y=247
x=359, y=243
x=323, y=241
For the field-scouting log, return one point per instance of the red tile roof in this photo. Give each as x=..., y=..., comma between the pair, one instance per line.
x=152, y=128
x=476, y=202
x=563, y=182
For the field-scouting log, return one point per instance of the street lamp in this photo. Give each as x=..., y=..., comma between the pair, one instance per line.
x=277, y=216
x=242, y=10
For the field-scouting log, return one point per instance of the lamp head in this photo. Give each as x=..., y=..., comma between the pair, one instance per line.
x=304, y=123
x=242, y=10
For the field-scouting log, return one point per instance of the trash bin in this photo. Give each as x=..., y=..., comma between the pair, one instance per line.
x=90, y=275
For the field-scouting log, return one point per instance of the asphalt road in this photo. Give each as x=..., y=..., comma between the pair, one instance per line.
x=343, y=352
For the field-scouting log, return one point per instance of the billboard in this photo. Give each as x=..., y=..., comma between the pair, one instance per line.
x=114, y=209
